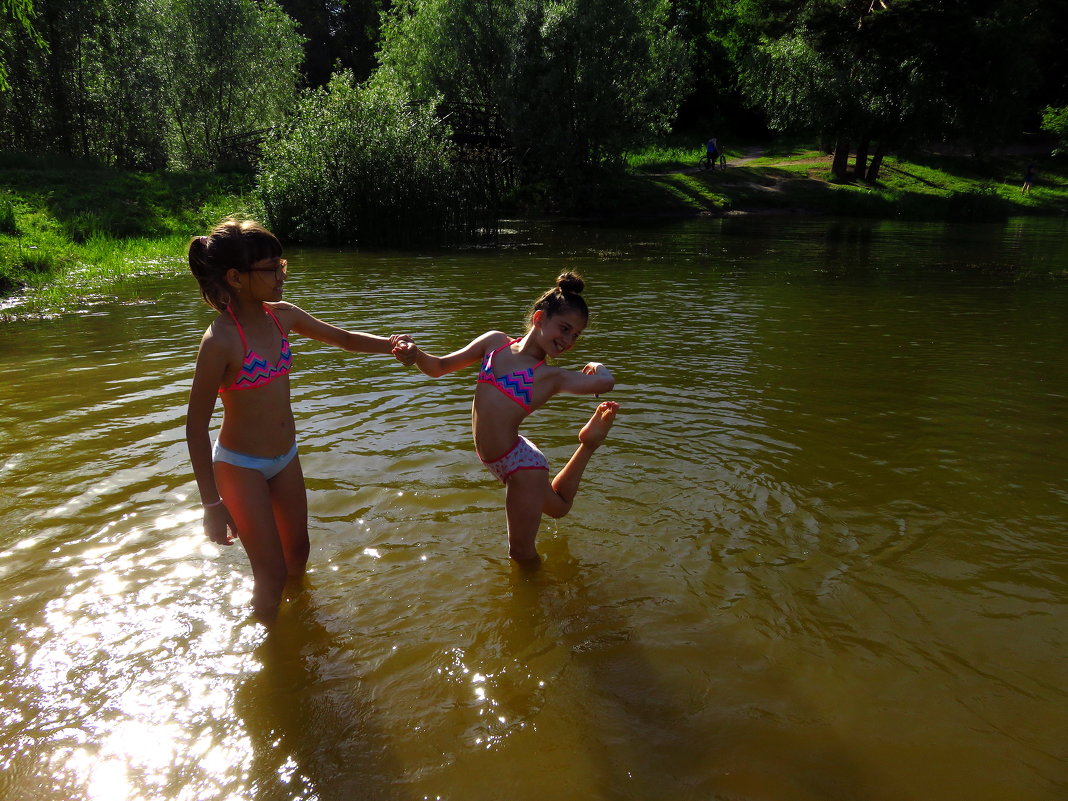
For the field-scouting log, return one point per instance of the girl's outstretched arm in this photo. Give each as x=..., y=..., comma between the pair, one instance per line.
x=436, y=366
x=355, y=341
x=593, y=379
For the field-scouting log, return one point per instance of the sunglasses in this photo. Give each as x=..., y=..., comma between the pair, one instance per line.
x=281, y=271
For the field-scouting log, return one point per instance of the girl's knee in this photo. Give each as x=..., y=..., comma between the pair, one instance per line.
x=556, y=506
x=557, y=510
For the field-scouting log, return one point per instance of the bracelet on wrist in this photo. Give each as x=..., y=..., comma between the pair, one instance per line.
x=209, y=505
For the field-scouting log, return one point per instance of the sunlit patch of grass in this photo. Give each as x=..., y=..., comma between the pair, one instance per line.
x=937, y=187
x=53, y=281
x=68, y=233
x=698, y=191
x=661, y=158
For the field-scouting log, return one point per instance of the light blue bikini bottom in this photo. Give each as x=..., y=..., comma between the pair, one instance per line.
x=269, y=466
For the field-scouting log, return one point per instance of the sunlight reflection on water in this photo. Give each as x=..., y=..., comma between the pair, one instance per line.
x=818, y=558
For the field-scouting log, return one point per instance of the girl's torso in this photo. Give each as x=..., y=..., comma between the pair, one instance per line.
x=510, y=386
x=257, y=414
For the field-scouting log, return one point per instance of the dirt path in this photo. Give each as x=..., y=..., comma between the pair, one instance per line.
x=750, y=153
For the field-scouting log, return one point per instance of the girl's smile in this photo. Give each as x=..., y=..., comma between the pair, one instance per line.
x=560, y=332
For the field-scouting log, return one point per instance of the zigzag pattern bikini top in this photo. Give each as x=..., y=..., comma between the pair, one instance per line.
x=517, y=385
x=255, y=370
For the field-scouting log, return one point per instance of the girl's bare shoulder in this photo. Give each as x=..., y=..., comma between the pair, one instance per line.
x=495, y=339
x=287, y=313
x=221, y=335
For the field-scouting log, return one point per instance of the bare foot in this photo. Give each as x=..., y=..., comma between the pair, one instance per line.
x=595, y=431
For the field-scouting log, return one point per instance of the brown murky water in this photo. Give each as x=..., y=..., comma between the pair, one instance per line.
x=823, y=555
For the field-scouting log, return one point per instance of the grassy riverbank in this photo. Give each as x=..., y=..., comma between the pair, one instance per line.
x=69, y=230
x=786, y=178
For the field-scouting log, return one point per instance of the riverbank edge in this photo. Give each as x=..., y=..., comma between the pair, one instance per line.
x=83, y=224
x=794, y=182
x=72, y=229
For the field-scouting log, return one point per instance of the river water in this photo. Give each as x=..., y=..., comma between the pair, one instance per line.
x=821, y=557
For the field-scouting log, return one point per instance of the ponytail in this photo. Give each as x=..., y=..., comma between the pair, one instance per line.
x=234, y=244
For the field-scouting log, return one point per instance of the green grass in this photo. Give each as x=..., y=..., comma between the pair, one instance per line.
x=102, y=267
x=72, y=231
x=68, y=231
x=789, y=176
x=668, y=158
x=663, y=158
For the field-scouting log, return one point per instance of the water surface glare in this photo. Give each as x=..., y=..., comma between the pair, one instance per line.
x=821, y=558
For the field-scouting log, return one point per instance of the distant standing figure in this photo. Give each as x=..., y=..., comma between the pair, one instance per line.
x=1029, y=178
x=714, y=154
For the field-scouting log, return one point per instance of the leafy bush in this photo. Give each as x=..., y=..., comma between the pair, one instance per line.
x=1055, y=120
x=362, y=164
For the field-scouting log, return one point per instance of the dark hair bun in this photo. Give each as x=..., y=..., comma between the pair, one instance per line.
x=570, y=283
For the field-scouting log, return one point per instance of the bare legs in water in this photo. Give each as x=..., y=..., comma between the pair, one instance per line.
x=529, y=493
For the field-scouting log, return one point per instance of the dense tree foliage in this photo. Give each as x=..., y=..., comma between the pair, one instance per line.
x=147, y=83
x=578, y=81
x=892, y=72
x=19, y=14
x=360, y=163
x=226, y=67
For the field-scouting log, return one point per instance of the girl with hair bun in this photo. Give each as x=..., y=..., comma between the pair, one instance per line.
x=514, y=381
x=251, y=484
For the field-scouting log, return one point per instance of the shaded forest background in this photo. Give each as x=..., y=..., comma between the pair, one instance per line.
x=348, y=111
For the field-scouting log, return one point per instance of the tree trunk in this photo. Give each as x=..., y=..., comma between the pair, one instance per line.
x=861, y=165
x=876, y=163
x=840, y=165
x=58, y=59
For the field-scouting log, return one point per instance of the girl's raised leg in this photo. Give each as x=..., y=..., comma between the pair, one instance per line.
x=564, y=487
x=529, y=493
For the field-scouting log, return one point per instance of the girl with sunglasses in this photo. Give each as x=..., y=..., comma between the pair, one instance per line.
x=250, y=481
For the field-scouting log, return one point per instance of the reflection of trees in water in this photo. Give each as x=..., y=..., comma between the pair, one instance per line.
x=314, y=733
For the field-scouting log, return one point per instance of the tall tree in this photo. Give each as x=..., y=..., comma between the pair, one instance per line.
x=713, y=102
x=144, y=83
x=341, y=34
x=578, y=81
x=18, y=15
x=593, y=79
x=226, y=67
x=889, y=71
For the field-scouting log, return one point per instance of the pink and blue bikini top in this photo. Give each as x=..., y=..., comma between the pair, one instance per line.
x=517, y=385
x=255, y=370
